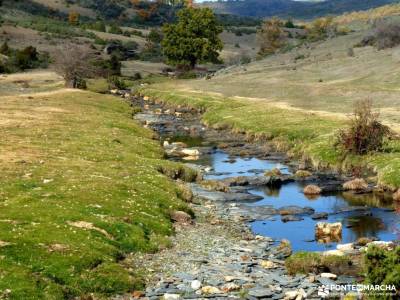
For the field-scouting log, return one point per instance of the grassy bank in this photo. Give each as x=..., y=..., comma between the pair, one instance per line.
x=80, y=187
x=304, y=134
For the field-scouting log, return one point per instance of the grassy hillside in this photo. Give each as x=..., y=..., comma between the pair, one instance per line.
x=303, y=133
x=302, y=97
x=316, y=76
x=80, y=188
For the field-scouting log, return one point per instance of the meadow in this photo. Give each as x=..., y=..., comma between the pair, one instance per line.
x=80, y=189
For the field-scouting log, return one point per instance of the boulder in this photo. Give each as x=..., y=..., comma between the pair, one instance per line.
x=396, y=196
x=295, y=210
x=210, y=290
x=327, y=232
x=312, y=189
x=356, y=184
x=168, y=296
x=319, y=216
x=267, y=264
x=290, y=218
x=328, y=275
x=181, y=217
x=302, y=174
x=190, y=152
x=195, y=284
x=333, y=252
x=345, y=247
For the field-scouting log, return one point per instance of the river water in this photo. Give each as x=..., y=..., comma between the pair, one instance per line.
x=380, y=220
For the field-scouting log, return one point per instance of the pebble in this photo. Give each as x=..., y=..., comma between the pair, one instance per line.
x=172, y=296
x=195, y=284
x=210, y=290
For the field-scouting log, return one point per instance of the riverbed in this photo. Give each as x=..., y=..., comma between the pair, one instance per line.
x=369, y=214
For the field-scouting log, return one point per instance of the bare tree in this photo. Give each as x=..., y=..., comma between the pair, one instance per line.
x=72, y=62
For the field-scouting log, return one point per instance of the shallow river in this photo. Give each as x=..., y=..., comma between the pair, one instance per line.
x=381, y=220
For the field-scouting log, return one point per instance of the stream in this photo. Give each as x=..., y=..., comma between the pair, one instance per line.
x=361, y=214
x=378, y=220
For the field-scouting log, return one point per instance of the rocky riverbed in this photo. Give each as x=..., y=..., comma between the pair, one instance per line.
x=217, y=255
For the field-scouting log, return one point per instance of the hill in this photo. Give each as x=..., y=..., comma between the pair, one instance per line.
x=293, y=9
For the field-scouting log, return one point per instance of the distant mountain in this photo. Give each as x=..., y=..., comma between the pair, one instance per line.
x=294, y=9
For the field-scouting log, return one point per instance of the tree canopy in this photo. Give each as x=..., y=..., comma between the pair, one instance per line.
x=193, y=39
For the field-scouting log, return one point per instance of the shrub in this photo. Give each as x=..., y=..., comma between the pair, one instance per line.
x=19, y=60
x=322, y=28
x=382, y=267
x=137, y=76
x=271, y=36
x=312, y=262
x=365, y=132
x=5, y=49
x=387, y=35
x=115, y=29
x=350, y=52
x=116, y=82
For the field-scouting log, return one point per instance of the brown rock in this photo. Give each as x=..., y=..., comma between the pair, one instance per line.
x=312, y=189
x=357, y=184
x=181, y=217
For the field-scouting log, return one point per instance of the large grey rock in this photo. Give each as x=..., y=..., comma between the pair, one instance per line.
x=260, y=292
x=203, y=193
x=296, y=210
x=291, y=218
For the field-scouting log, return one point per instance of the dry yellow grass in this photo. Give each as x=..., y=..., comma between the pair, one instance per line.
x=312, y=190
x=355, y=184
x=369, y=15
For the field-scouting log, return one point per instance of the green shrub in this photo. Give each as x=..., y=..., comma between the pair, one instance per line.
x=312, y=262
x=116, y=82
x=382, y=267
x=115, y=29
x=19, y=60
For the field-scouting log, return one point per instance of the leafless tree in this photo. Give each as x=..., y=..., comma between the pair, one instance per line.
x=72, y=62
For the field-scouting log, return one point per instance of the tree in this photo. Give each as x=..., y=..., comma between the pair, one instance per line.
x=271, y=36
x=72, y=62
x=192, y=39
x=322, y=28
x=4, y=48
x=164, y=10
x=73, y=18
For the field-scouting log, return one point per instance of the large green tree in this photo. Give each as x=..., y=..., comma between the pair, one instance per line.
x=193, y=39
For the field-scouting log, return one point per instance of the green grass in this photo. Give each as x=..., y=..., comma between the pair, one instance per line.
x=78, y=157
x=303, y=134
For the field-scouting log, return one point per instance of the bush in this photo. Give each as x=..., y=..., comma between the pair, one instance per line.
x=116, y=82
x=115, y=29
x=365, y=133
x=312, y=262
x=387, y=36
x=382, y=267
x=19, y=60
x=322, y=28
x=271, y=37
